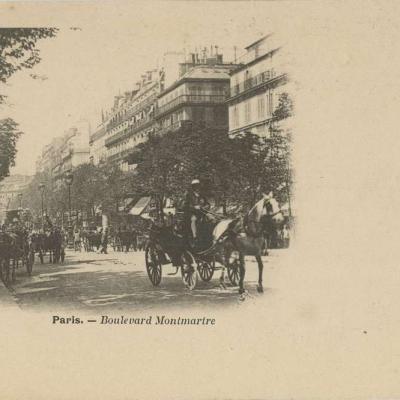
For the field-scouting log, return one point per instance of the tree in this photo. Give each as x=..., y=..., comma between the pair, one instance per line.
x=159, y=167
x=9, y=134
x=280, y=142
x=18, y=50
x=167, y=164
x=88, y=188
x=115, y=184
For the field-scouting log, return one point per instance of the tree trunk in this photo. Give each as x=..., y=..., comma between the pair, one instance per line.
x=224, y=210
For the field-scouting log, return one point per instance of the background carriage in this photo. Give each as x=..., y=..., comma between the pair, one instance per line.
x=48, y=245
x=16, y=251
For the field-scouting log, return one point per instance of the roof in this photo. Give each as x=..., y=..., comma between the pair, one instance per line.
x=203, y=72
x=206, y=73
x=258, y=41
x=254, y=61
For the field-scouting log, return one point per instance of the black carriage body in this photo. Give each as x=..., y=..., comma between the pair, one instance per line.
x=166, y=240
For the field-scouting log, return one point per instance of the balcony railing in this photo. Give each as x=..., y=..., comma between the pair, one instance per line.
x=130, y=130
x=191, y=99
x=253, y=82
x=119, y=156
x=175, y=126
x=130, y=113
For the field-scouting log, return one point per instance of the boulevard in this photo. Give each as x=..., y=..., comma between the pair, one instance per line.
x=95, y=283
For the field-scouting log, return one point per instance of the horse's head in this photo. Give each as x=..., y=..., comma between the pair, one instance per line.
x=272, y=209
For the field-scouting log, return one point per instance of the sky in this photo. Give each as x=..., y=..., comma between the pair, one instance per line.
x=115, y=43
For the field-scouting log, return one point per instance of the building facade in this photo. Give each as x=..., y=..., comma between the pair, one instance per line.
x=131, y=120
x=97, y=146
x=256, y=87
x=198, y=97
x=10, y=188
x=65, y=153
x=185, y=89
x=49, y=156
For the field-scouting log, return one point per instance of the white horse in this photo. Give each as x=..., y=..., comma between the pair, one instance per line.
x=247, y=237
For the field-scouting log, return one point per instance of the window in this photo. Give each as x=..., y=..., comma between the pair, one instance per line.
x=247, y=111
x=235, y=116
x=261, y=107
x=270, y=103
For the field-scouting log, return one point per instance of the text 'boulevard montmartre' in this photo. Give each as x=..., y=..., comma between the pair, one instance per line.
x=157, y=320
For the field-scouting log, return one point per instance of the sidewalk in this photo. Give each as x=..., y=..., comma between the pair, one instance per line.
x=7, y=300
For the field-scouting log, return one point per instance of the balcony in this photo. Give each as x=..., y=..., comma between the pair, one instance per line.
x=131, y=130
x=119, y=156
x=130, y=113
x=190, y=99
x=255, y=82
x=176, y=126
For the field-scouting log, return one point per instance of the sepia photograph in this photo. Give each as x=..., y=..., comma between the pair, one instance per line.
x=163, y=172
x=199, y=200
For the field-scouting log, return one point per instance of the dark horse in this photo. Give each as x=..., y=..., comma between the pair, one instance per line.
x=91, y=239
x=15, y=250
x=7, y=247
x=50, y=243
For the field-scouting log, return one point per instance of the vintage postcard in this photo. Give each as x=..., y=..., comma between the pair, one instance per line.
x=197, y=200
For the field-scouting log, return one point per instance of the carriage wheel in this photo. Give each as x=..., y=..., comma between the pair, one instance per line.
x=206, y=271
x=29, y=262
x=188, y=270
x=153, y=265
x=234, y=269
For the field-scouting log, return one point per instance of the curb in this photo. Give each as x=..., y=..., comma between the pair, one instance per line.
x=7, y=300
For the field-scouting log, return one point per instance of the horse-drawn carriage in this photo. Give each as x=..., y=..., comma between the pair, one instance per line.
x=16, y=251
x=222, y=245
x=50, y=244
x=170, y=245
x=91, y=239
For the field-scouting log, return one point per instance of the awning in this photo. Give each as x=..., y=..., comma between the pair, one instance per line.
x=140, y=206
x=127, y=202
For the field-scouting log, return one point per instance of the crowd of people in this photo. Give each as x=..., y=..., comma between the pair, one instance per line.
x=120, y=238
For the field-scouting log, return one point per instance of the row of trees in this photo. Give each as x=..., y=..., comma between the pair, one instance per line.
x=234, y=171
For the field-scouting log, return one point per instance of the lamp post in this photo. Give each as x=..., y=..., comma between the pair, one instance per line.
x=62, y=212
x=41, y=188
x=68, y=180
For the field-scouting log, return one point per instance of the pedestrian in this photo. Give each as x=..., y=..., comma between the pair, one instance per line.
x=104, y=241
x=134, y=239
x=170, y=220
x=286, y=236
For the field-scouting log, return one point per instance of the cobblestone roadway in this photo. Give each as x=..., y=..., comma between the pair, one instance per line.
x=118, y=281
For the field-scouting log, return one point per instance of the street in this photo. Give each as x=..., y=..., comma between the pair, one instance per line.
x=96, y=282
